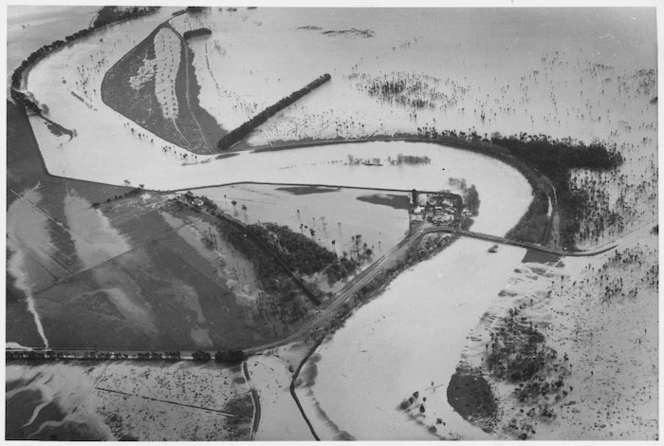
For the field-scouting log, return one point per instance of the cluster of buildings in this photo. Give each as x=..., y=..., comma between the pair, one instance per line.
x=436, y=208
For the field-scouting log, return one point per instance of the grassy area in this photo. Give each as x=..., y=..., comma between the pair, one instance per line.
x=194, y=128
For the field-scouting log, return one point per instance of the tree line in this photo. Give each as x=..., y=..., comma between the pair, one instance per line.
x=223, y=356
x=104, y=18
x=112, y=14
x=247, y=127
x=196, y=32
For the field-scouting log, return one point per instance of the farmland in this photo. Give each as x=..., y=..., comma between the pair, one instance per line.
x=186, y=189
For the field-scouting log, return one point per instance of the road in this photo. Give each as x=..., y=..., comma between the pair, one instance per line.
x=527, y=245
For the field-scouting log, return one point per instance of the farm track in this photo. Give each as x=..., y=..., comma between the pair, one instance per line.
x=187, y=66
x=225, y=414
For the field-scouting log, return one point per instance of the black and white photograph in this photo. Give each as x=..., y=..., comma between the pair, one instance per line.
x=328, y=222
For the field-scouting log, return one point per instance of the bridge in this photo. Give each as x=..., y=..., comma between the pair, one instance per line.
x=527, y=245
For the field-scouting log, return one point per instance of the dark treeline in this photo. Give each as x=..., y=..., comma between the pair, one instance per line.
x=112, y=14
x=298, y=251
x=246, y=128
x=196, y=32
x=223, y=356
x=553, y=155
x=104, y=18
x=131, y=193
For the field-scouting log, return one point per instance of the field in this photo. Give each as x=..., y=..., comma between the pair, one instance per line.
x=165, y=289
x=127, y=401
x=163, y=93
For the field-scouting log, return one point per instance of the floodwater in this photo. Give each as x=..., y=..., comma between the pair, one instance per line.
x=412, y=335
x=403, y=341
x=105, y=149
x=461, y=53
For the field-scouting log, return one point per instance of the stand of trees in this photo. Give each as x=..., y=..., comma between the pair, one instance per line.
x=268, y=273
x=554, y=158
x=196, y=32
x=106, y=17
x=246, y=128
x=299, y=252
x=341, y=268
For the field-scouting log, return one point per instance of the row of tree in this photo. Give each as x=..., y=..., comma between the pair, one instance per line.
x=103, y=19
x=223, y=356
x=133, y=192
x=196, y=32
x=246, y=128
x=112, y=14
